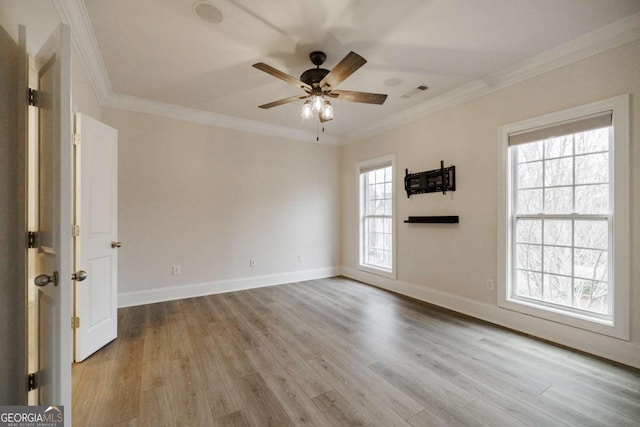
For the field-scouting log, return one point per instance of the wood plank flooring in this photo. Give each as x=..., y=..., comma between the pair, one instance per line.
x=335, y=352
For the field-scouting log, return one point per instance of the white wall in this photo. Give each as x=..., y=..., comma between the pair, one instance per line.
x=209, y=199
x=449, y=264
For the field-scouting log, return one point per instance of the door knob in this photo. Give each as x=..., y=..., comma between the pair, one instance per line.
x=79, y=276
x=44, y=279
x=116, y=244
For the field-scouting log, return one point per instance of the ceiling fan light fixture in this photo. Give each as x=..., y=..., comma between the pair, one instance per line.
x=307, y=110
x=327, y=111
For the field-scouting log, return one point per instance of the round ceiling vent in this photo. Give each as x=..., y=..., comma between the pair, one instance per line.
x=207, y=11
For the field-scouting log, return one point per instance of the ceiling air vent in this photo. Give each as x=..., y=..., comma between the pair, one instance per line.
x=415, y=91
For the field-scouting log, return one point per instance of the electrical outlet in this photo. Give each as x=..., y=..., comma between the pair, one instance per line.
x=252, y=262
x=300, y=259
x=490, y=284
x=175, y=270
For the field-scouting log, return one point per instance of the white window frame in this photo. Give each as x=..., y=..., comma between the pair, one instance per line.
x=388, y=160
x=617, y=325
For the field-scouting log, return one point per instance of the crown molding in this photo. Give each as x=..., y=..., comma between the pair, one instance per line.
x=608, y=37
x=74, y=13
x=172, y=111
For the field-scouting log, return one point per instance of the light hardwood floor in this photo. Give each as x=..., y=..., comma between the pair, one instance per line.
x=335, y=352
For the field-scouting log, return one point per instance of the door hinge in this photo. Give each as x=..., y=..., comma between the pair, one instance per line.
x=32, y=381
x=75, y=322
x=32, y=237
x=32, y=97
x=75, y=230
x=76, y=139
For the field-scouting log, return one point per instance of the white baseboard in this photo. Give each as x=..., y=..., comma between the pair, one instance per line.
x=615, y=349
x=170, y=293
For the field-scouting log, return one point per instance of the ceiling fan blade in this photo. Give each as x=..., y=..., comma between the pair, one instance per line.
x=364, y=97
x=342, y=70
x=282, y=76
x=282, y=101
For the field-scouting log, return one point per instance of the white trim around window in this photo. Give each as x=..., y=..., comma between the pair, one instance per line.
x=362, y=169
x=616, y=323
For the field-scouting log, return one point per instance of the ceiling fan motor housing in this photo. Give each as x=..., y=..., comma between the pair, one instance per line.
x=313, y=76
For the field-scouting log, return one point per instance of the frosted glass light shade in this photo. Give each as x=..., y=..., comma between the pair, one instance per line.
x=307, y=112
x=327, y=111
x=317, y=103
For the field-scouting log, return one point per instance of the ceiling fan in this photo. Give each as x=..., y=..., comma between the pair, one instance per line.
x=319, y=85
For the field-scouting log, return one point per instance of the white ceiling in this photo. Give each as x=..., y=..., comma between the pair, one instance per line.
x=160, y=50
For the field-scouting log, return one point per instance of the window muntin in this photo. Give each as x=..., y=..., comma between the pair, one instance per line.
x=561, y=222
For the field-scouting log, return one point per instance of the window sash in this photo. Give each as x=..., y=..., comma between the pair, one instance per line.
x=573, y=308
x=372, y=246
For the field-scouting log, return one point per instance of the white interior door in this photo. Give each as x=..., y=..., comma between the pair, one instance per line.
x=96, y=246
x=53, y=259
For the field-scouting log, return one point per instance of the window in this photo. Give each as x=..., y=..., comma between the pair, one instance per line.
x=565, y=217
x=377, y=240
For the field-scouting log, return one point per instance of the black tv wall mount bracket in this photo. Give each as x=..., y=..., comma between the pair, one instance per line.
x=433, y=181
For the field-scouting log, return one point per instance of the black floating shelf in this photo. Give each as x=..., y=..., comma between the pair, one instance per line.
x=454, y=219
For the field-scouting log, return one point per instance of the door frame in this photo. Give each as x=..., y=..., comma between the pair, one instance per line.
x=63, y=169
x=21, y=203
